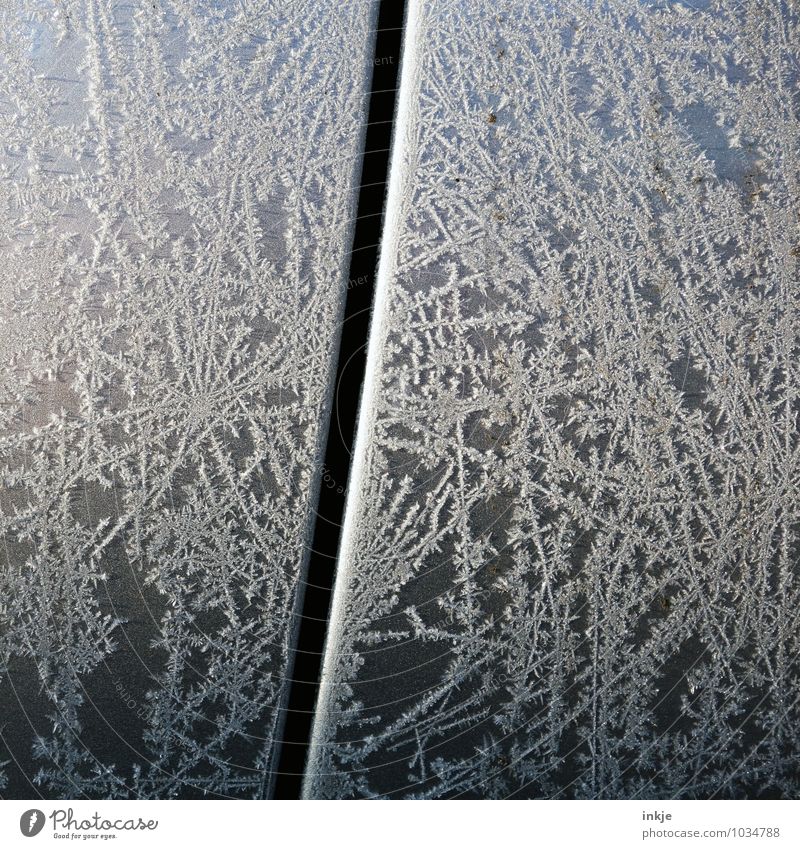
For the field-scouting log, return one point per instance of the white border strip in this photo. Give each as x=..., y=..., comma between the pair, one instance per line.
x=598, y=824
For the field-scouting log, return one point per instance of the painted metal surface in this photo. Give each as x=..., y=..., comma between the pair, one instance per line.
x=570, y=565
x=177, y=191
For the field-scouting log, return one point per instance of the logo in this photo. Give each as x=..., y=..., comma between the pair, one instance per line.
x=31, y=822
x=66, y=825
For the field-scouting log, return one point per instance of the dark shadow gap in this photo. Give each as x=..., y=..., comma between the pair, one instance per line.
x=313, y=625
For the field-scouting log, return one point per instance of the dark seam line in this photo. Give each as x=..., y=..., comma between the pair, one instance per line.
x=306, y=654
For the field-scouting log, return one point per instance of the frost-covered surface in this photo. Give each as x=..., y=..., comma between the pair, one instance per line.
x=571, y=554
x=177, y=192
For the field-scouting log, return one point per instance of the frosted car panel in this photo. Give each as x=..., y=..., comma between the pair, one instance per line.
x=177, y=191
x=570, y=557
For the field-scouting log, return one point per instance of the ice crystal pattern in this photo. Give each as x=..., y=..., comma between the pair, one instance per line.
x=571, y=559
x=177, y=189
